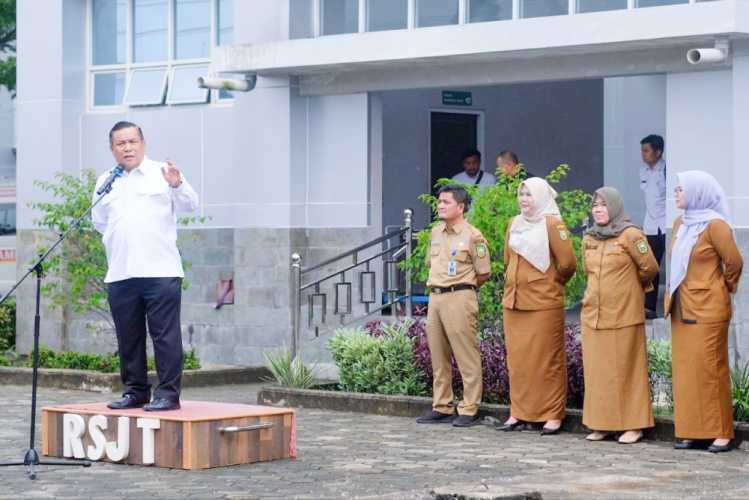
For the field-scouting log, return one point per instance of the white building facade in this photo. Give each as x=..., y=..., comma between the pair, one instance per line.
x=353, y=111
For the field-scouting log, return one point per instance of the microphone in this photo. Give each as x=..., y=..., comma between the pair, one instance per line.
x=107, y=185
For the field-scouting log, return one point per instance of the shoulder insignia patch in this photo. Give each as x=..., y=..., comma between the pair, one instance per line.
x=563, y=235
x=642, y=246
x=481, y=250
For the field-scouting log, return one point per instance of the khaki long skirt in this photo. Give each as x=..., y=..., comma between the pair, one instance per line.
x=537, y=363
x=703, y=406
x=617, y=392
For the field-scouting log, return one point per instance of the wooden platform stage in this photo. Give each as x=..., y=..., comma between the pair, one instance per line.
x=200, y=435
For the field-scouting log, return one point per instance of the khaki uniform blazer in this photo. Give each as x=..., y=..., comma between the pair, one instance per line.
x=527, y=288
x=712, y=276
x=620, y=270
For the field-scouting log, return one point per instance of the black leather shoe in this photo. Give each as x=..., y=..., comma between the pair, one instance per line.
x=162, y=404
x=466, y=421
x=511, y=427
x=689, y=444
x=545, y=431
x=127, y=401
x=435, y=417
x=719, y=448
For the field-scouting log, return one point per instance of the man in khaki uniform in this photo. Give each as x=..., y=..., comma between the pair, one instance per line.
x=459, y=263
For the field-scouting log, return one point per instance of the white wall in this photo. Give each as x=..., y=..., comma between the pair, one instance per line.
x=699, y=123
x=633, y=107
x=338, y=161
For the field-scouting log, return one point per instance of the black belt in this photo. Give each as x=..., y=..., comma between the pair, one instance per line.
x=454, y=288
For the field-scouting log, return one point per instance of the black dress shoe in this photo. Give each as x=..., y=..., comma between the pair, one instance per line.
x=545, y=431
x=511, y=427
x=435, y=417
x=719, y=448
x=690, y=444
x=162, y=404
x=466, y=421
x=127, y=401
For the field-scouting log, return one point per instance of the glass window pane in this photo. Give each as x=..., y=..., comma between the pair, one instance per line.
x=109, y=88
x=340, y=16
x=108, y=31
x=436, y=12
x=225, y=22
x=599, y=5
x=387, y=15
x=150, y=30
x=8, y=218
x=300, y=19
x=146, y=87
x=192, y=23
x=655, y=3
x=184, y=85
x=490, y=10
x=543, y=8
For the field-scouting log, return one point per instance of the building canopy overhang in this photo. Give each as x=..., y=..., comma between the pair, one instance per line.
x=613, y=43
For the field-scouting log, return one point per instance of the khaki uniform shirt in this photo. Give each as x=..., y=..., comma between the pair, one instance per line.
x=463, y=244
x=620, y=270
x=527, y=288
x=712, y=276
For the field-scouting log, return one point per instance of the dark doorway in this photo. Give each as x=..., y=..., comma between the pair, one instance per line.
x=452, y=135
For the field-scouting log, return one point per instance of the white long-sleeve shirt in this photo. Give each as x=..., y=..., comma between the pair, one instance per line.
x=138, y=223
x=653, y=185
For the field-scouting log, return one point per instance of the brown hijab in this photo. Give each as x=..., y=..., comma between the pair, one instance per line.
x=618, y=218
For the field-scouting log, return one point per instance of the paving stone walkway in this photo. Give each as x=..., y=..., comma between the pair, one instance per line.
x=346, y=455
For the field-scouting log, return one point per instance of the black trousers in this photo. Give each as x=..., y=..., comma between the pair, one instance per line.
x=657, y=243
x=134, y=303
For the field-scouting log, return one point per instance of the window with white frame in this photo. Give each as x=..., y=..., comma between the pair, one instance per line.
x=151, y=52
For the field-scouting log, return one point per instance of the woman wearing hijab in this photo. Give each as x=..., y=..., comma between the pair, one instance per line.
x=705, y=270
x=620, y=267
x=539, y=260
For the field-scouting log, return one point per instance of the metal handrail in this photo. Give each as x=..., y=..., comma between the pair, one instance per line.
x=354, y=251
x=352, y=266
x=395, y=252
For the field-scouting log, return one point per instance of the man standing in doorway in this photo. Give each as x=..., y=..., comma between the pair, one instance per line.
x=472, y=173
x=459, y=263
x=138, y=223
x=653, y=185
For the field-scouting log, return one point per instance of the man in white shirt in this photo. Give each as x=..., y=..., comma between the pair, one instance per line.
x=472, y=173
x=138, y=223
x=653, y=185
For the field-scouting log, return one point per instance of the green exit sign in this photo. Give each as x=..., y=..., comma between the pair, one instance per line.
x=457, y=98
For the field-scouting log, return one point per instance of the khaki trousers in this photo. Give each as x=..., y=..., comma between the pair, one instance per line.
x=452, y=326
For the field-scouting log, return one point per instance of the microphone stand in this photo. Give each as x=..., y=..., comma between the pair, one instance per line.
x=31, y=457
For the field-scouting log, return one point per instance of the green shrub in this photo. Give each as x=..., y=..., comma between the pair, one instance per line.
x=740, y=393
x=659, y=372
x=4, y=361
x=190, y=361
x=106, y=363
x=289, y=371
x=377, y=364
x=491, y=211
x=7, y=325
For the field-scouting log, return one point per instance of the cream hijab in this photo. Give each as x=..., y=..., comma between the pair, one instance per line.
x=528, y=234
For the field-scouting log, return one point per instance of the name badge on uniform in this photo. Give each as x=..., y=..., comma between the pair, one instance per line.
x=452, y=266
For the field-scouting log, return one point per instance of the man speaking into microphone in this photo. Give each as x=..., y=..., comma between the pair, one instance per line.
x=138, y=223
